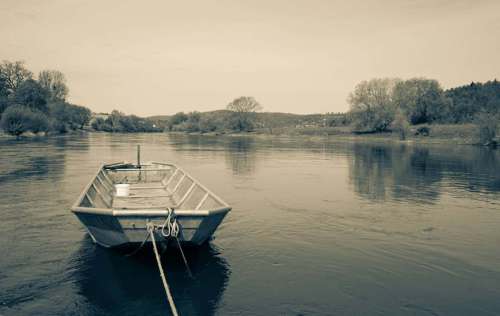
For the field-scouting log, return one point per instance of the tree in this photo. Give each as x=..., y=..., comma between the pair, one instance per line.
x=55, y=83
x=422, y=99
x=4, y=101
x=401, y=124
x=488, y=124
x=31, y=94
x=68, y=115
x=469, y=100
x=100, y=124
x=80, y=115
x=243, y=113
x=13, y=74
x=210, y=122
x=16, y=120
x=176, y=119
x=114, y=120
x=371, y=104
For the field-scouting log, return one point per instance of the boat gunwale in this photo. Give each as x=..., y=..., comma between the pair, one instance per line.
x=76, y=208
x=147, y=212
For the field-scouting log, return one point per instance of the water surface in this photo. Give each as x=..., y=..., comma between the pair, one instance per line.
x=318, y=227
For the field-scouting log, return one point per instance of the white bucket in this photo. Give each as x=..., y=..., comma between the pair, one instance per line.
x=122, y=189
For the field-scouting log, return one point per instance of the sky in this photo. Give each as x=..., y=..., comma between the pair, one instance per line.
x=162, y=57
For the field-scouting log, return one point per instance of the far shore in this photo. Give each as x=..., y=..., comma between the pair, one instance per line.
x=463, y=134
x=455, y=134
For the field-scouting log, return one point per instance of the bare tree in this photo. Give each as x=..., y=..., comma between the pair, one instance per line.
x=13, y=74
x=372, y=105
x=243, y=109
x=55, y=83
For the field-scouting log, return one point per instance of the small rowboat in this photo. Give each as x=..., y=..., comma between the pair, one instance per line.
x=159, y=194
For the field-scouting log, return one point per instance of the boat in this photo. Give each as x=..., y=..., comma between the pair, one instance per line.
x=124, y=200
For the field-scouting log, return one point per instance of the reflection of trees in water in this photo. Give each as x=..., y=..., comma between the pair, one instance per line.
x=478, y=168
x=380, y=172
x=31, y=158
x=183, y=142
x=38, y=157
x=240, y=154
x=416, y=175
x=369, y=171
x=114, y=283
x=32, y=168
x=239, y=151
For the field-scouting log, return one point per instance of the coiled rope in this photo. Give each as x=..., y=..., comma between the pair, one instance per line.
x=170, y=227
x=151, y=230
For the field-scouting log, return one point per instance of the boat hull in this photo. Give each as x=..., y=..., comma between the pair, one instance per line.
x=118, y=231
x=156, y=193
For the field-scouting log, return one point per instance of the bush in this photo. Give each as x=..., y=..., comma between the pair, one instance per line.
x=423, y=131
x=207, y=124
x=39, y=122
x=401, y=125
x=377, y=120
x=16, y=120
x=59, y=126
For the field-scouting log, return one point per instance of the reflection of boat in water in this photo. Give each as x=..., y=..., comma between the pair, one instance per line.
x=114, y=284
x=157, y=194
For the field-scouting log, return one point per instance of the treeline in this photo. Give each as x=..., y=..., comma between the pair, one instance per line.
x=386, y=104
x=36, y=104
x=197, y=122
x=118, y=122
x=239, y=116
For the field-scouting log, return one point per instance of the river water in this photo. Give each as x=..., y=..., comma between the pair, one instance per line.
x=318, y=227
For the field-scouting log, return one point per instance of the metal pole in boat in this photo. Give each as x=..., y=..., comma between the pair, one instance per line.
x=139, y=161
x=138, y=156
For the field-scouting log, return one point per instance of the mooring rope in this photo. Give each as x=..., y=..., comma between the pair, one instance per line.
x=140, y=246
x=151, y=229
x=184, y=258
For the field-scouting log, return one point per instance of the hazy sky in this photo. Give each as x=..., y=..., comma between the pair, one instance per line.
x=161, y=57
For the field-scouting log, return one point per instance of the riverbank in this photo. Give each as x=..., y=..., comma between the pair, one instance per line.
x=457, y=134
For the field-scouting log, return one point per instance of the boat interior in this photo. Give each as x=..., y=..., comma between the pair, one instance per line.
x=151, y=186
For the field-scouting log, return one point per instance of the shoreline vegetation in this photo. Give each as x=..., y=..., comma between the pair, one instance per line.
x=382, y=109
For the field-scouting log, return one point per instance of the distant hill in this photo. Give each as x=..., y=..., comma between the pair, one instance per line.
x=271, y=119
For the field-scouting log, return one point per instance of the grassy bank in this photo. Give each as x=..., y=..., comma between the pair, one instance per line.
x=459, y=134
